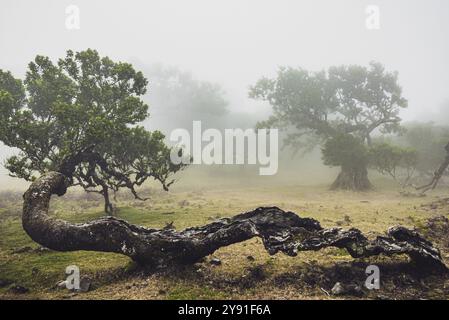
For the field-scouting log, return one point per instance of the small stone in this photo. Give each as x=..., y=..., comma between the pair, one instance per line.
x=346, y=289
x=17, y=289
x=42, y=249
x=337, y=289
x=215, y=262
x=250, y=258
x=85, y=284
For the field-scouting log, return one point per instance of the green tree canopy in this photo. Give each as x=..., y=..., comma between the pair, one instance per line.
x=400, y=163
x=80, y=116
x=314, y=107
x=179, y=98
x=428, y=140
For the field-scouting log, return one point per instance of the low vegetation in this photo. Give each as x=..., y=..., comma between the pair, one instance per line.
x=243, y=270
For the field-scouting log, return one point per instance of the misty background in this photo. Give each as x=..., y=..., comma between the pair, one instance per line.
x=222, y=48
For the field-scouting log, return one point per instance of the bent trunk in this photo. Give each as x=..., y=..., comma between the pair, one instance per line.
x=352, y=178
x=279, y=230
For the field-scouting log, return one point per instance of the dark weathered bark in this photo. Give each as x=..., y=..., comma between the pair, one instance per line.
x=352, y=178
x=108, y=209
x=279, y=230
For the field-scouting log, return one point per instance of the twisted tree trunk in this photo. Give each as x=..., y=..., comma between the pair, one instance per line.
x=280, y=231
x=352, y=178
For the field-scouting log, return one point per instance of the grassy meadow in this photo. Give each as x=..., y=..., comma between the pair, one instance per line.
x=246, y=270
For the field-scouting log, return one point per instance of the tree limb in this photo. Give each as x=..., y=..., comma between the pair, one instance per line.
x=279, y=230
x=438, y=174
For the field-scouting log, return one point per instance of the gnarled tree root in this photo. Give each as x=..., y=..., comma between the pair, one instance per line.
x=279, y=230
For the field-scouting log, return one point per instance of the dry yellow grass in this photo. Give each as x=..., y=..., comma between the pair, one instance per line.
x=308, y=276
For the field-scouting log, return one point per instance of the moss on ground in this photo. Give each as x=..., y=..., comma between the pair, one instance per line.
x=247, y=271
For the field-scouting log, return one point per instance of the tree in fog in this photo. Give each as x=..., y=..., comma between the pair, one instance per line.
x=76, y=123
x=177, y=98
x=80, y=117
x=428, y=140
x=394, y=161
x=339, y=108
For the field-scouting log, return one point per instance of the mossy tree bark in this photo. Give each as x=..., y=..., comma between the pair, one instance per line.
x=280, y=231
x=352, y=178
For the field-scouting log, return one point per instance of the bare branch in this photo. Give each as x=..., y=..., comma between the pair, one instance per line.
x=438, y=174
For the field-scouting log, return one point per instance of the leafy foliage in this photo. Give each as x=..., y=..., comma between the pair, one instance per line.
x=81, y=114
x=343, y=149
x=346, y=99
x=399, y=163
x=341, y=107
x=429, y=141
x=181, y=98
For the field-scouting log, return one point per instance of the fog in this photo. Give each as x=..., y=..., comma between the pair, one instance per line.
x=233, y=43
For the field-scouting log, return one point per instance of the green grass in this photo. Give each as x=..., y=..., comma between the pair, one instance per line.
x=114, y=274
